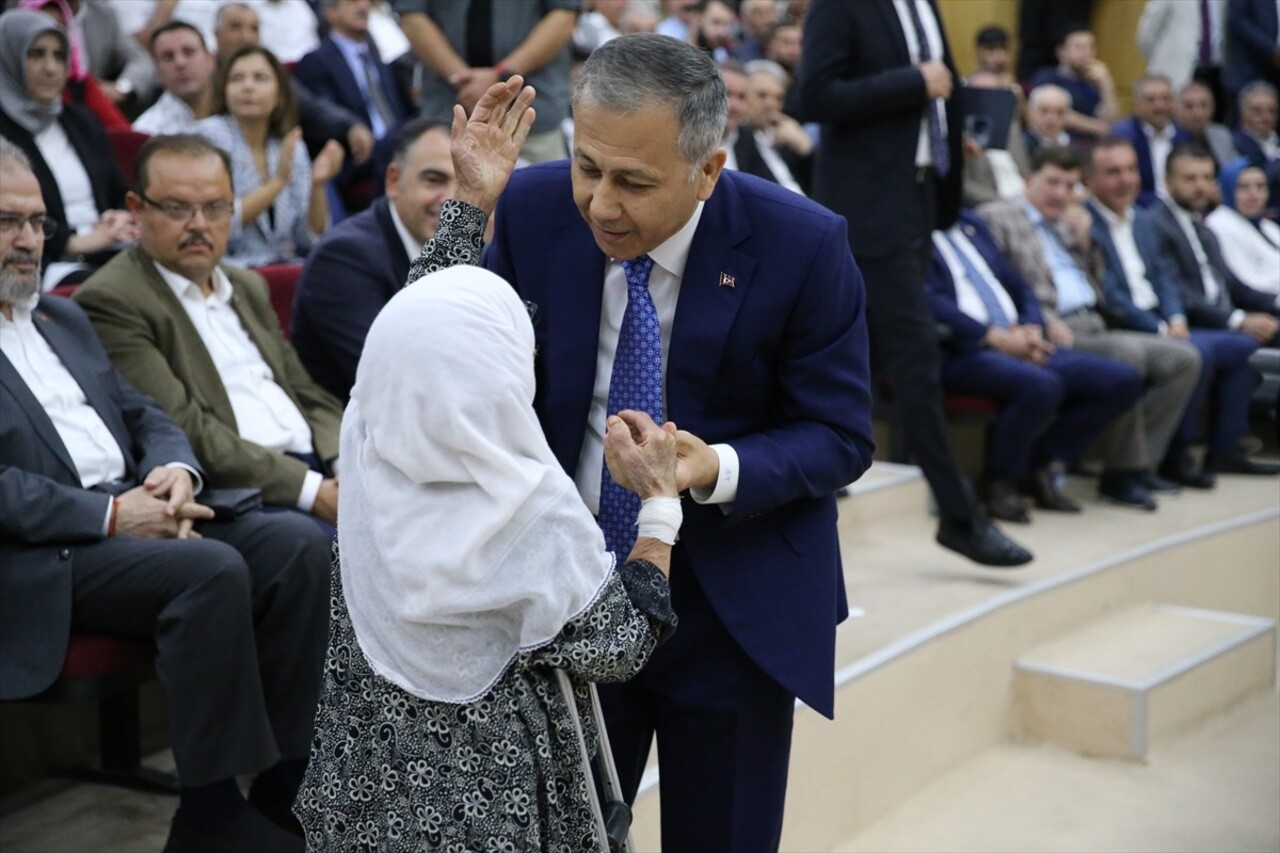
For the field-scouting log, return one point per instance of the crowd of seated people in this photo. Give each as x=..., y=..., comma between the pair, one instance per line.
x=1108, y=285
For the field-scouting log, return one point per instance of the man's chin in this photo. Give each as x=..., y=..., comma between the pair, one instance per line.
x=17, y=289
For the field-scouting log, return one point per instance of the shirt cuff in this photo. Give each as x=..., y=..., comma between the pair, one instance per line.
x=726, y=487
x=1236, y=320
x=310, y=488
x=1162, y=328
x=197, y=482
x=106, y=519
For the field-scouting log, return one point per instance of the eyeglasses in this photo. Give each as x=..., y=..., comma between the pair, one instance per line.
x=11, y=223
x=216, y=212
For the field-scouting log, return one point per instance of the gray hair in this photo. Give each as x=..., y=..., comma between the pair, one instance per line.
x=768, y=66
x=11, y=156
x=1038, y=93
x=635, y=71
x=1150, y=77
x=221, y=17
x=1255, y=87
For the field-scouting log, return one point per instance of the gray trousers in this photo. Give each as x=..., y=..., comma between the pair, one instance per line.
x=240, y=619
x=1139, y=438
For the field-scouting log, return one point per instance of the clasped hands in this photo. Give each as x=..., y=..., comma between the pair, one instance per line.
x=163, y=507
x=1025, y=342
x=656, y=461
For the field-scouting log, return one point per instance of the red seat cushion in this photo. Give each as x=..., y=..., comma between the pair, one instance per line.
x=969, y=404
x=282, y=280
x=125, y=145
x=95, y=655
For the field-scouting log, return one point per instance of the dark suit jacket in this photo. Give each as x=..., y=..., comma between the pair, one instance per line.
x=857, y=79
x=89, y=140
x=326, y=73
x=44, y=511
x=151, y=339
x=1131, y=129
x=940, y=286
x=1180, y=260
x=774, y=363
x=1251, y=27
x=1115, y=284
x=747, y=151
x=351, y=273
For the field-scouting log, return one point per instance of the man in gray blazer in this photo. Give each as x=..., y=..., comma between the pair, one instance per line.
x=96, y=535
x=1046, y=235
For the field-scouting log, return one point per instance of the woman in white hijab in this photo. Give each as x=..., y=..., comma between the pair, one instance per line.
x=469, y=569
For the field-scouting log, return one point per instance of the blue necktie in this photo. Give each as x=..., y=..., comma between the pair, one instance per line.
x=635, y=383
x=937, y=139
x=995, y=311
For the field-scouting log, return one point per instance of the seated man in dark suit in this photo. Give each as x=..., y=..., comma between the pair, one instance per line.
x=784, y=146
x=1055, y=402
x=201, y=338
x=1152, y=133
x=347, y=70
x=1140, y=295
x=363, y=262
x=96, y=535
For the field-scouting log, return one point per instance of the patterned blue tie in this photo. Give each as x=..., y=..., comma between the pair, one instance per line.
x=995, y=311
x=937, y=139
x=635, y=383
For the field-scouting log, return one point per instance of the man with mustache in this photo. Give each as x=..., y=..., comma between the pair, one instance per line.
x=100, y=533
x=201, y=337
x=360, y=264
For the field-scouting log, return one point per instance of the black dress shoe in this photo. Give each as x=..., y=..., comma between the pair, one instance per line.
x=982, y=542
x=1126, y=488
x=1238, y=463
x=1181, y=468
x=1001, y=498
x=1155, y=483
x=1042, y=490
x=248, y=831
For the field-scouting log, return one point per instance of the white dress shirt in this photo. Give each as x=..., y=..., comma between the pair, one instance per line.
x=264, y=413
x=933, y=34
x=664, y=288
x=201, y=14
x=1208, y=275
x=772, y=159
x=967, y=298
x=412, y=247
x=288, y=28
x=1160, y=143
x=169, y=114
x=730, y=156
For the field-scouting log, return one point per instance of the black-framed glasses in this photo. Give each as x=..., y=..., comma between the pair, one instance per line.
x=11, y=223
x=215, y=212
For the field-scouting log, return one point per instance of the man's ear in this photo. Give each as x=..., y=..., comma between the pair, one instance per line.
x=709, y=174
x=133, y=201
x=392, y=178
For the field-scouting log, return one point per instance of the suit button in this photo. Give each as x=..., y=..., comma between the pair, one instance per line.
x=64, y=554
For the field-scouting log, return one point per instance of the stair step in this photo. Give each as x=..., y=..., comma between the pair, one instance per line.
x=1113, y=686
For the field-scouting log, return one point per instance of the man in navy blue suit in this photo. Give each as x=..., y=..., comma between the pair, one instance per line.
x=362, y=262
x=1141, y=295
x=1152, y=132
x=760, y=350
x=1055, y=402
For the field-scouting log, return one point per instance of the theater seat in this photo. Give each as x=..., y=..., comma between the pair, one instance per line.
x=109, y=670
x=282, y=281
x=125, y=145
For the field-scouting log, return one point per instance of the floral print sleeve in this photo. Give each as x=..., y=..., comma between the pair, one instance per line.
x=459, y=239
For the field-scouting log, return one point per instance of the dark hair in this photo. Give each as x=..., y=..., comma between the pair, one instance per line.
x=1104, y=144
x=1062, y=156
x=991, y=37
x=175, y=143
x=1069, y=30
x=412, y=131
x=173, y=26
x=284, y=116
x=1189, y=150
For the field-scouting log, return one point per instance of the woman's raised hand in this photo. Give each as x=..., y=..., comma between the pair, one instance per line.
x=327, y=163
x=288, y=145
x=486, y=145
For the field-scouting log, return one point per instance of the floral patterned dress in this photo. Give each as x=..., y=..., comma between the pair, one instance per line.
x=390, y=771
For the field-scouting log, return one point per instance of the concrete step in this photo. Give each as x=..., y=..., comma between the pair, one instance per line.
x=1115, y=685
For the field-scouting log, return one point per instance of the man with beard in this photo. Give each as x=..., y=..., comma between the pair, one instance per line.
x=100, y=532
x=360, y=264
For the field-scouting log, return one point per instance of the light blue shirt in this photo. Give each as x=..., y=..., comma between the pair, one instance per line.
x=1073, y=287
x=354, y=53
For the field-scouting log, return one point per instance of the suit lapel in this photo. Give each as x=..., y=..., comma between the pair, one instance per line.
x=35, y=413
x=394, y=247
x=716, y=279
x=892, y=25
x=345, y=78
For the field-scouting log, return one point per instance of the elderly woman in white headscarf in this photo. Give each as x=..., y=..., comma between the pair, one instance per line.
x=469, y=570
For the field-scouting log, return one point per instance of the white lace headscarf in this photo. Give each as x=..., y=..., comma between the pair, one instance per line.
x=463, y=541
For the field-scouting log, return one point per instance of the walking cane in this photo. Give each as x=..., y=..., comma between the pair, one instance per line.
x=613, y=816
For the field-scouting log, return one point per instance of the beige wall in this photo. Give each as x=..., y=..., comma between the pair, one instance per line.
x=1115, y=23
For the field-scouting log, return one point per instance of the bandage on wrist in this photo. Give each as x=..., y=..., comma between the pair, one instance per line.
x=660, y=519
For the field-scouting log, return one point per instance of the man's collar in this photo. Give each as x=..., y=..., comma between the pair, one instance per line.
x=1151, y=133
x=411, y=245
x=1033, y=213
x=1124, y=217
x=185, y=288
x=346, y=44
x=673, y=253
